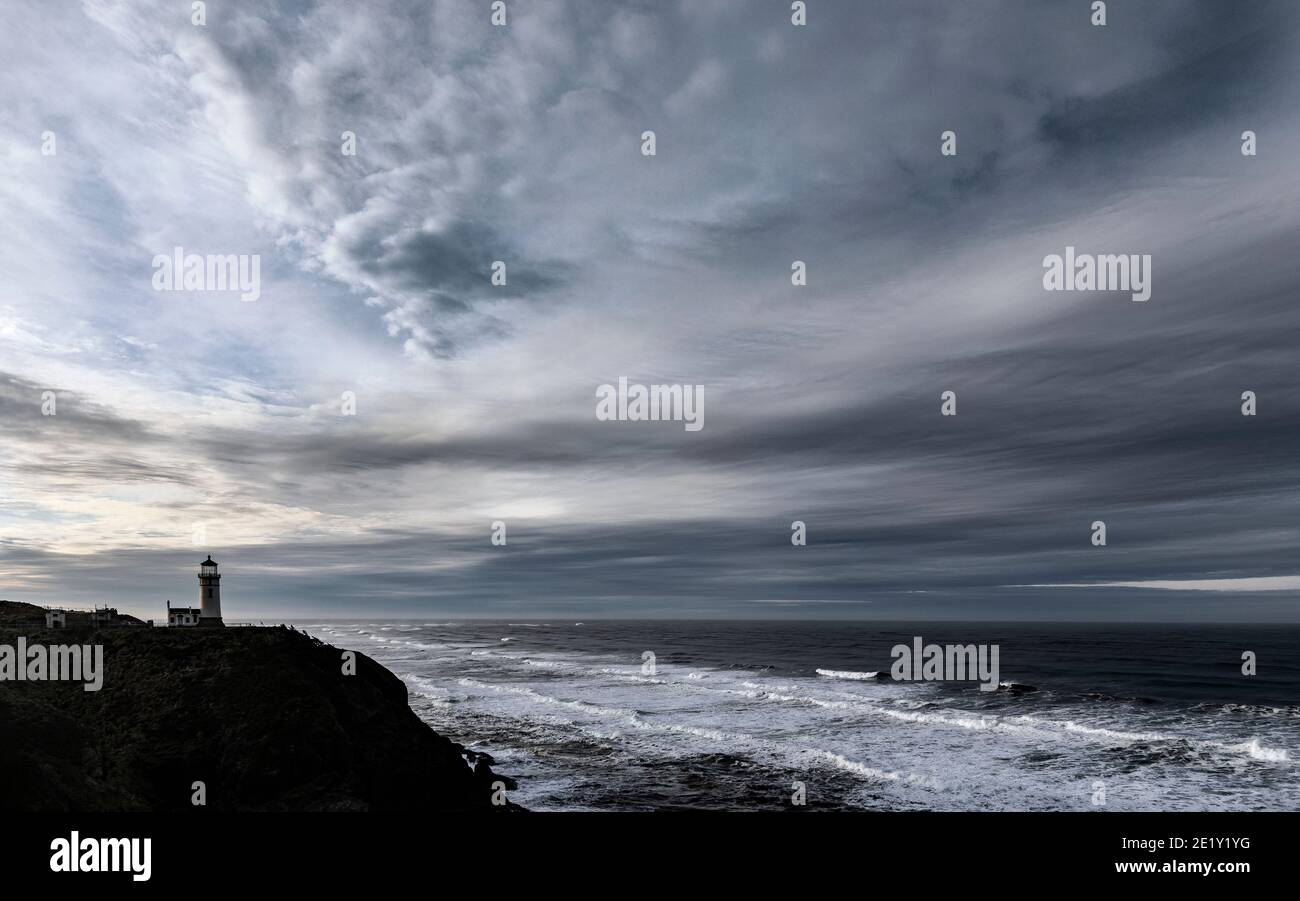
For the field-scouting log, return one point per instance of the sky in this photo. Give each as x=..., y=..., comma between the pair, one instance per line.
x=188, y=423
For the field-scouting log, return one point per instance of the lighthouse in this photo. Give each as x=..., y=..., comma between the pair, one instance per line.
x=209, y=594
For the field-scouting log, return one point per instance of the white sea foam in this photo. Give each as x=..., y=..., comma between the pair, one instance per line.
x=1003, y=753
x=1254, y=749
x=729, y=740
x=1024, y=725
x=848, y=674
x=523, y=691
x=861, y=769
x=427, y=689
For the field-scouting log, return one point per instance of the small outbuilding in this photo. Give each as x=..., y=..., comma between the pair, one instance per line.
x=182, y=616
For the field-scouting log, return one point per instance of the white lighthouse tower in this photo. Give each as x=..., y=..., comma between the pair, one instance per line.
x=209, y=594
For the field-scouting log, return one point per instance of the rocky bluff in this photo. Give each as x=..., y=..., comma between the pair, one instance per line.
x=263, y=717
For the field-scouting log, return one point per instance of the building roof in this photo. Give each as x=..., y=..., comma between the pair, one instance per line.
x=209, y=561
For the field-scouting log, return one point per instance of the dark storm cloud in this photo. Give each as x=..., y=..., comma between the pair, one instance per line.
x=1221, y=63
x=454, y=268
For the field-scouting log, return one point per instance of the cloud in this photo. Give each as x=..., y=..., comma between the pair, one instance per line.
x=475, y=402
x=1267, y=583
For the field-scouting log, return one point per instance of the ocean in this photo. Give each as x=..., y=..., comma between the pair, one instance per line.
x=754, y=715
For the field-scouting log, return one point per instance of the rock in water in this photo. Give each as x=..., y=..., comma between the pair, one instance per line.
x=1017, y=688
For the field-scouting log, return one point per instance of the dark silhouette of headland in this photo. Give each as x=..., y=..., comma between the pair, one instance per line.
x=263, y=718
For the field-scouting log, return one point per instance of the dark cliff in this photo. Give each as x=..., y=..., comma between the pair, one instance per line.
x=264, y=717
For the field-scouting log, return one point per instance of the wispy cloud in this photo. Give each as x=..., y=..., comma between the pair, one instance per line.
x=1265, y=583
x=475, y=402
